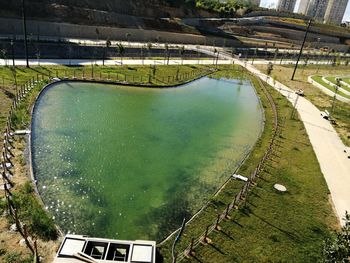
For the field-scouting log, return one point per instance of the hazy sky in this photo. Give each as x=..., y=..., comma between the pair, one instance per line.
x=273, y=3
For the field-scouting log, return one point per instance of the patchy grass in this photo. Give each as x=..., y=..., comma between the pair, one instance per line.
x=321, y=100
x=270, y=227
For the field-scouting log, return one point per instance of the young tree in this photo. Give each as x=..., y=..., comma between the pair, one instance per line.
x=120, y=51
x=269, y=69
x=337, y=248
x=3, y=55
x=166, y=53
x=149, y=48
x=37, y=54
x=105, y=50
x=182, y=51
x=128, y=35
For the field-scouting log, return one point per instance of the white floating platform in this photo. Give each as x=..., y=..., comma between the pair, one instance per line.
x=21, y=132
x=240, y=177
x=77, y=249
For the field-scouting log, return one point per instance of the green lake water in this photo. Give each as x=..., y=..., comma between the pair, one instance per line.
x=130, y=163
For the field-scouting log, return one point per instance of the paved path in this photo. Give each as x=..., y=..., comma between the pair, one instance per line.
x=328, y=147
x=110, y=62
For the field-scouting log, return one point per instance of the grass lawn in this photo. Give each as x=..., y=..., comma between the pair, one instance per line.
x=333, y=80
x=315, y=95
x=326, y=85
x=271, y=227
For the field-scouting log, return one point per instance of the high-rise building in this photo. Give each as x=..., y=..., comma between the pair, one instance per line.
x=286, y=5
x=303, y=6
x=253, y=2
x=335, y=11
x=317, y=9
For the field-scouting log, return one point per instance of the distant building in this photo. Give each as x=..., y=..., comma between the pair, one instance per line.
x=317, y=9
x=303, y=6
x=286, y=5
x=335, y=11
x=255, y=2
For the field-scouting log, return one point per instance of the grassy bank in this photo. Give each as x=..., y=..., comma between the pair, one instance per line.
x=271, y=227
x=315, y=95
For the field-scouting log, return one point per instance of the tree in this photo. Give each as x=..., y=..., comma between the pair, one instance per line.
x=215, y=51
x=166, y=54
x=37, y=54
x=182, y=51
x=14, y=74
x=269, y=69
x=3, y=55
x=128, y=35
x=337, y=248
x=105, y=50
x=149, y=48
x=120, y=51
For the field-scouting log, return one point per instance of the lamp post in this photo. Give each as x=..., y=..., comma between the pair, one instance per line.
x=25, y=32
x=13, y=53
x=301, y=49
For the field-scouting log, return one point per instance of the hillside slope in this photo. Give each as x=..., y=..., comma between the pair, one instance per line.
x=106, y=12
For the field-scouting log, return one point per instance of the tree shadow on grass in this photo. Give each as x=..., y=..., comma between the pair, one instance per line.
x=228, y=235
x=217, y=249
x=288, y=233
x=8, y=94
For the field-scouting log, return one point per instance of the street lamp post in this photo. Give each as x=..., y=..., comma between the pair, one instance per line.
x=301, y=49
x=25, y=32
x=13, y=53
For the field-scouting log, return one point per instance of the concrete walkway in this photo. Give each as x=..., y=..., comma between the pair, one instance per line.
x=114, y=62
x=328, y=147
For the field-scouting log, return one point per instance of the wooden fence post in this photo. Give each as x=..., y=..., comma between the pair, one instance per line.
x=25, y=236
x=217, y=227
x=227, y=216
x=206, y=239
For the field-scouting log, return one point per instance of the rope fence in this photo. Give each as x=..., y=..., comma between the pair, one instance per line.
x=7, y=167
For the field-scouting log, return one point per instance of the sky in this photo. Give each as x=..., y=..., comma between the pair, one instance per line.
x=273, y=3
